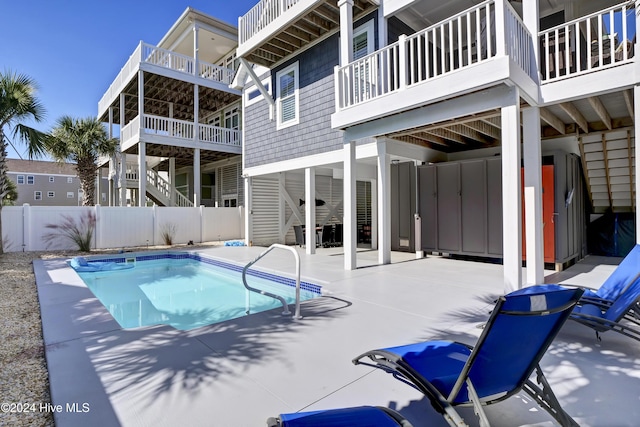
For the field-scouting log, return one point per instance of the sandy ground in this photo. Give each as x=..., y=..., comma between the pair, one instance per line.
x=24, y=380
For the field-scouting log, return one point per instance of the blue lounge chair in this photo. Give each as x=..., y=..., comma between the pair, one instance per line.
x=619, y=315
x=363, y=416
x=516, y=336
x=619, y=281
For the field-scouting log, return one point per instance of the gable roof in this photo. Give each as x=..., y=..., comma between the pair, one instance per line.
x=40, y=166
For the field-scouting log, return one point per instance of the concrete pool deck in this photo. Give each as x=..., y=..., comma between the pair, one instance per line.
x=238, y=373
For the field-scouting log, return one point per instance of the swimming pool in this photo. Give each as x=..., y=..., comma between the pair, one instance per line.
x=186, y=291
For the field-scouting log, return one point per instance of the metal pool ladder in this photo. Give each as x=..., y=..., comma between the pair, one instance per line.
x=285, y=306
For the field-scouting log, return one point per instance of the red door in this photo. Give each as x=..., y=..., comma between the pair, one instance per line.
x=548, y=208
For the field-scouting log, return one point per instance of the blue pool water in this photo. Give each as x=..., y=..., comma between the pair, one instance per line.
x=185, y=293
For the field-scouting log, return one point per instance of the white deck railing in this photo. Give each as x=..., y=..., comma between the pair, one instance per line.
x=150, y=54
x=164, y=126
x=261, y=15
x=593, y=42
x=475, y=35
x=162, y=185
x=182, y=129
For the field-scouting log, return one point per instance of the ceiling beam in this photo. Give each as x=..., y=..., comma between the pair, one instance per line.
x=575, y=115
x=628, y=100
x=447, y=134
x=601, y=111
x=485, y=128
x=553, y=120
x=467, y=132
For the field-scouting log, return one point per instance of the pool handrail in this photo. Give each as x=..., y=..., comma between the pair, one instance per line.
x=269, y=294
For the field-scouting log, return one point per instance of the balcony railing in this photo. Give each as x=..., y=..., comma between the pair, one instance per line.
x=471, y=37
x=182, y=129
x=147, y=53
x=261, y=15
x=593, y=42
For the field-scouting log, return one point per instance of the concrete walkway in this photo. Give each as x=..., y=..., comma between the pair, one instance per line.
x=240, y=372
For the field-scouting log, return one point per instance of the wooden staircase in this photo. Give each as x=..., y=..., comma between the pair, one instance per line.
x=608, y=160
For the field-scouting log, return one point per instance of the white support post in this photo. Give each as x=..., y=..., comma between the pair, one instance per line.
x=142, y=174
x=26, y=228
x=98, y=228
x=511, y=197
x=531, y=19
x=142, y=158
x=172, y=180
x=112, y=159
x=383, y=33
x=636, y=135
x=196, y=49
x=196, y=177
x=346, y=31
x=282, y=220
x=374, y=214
x=248, y=216
x=310, y=209
x=402, y=61
x=196, y=113
x=533, y=196
x=384, y=204
x=123, y=158
x=349, y=195
x=499, y=25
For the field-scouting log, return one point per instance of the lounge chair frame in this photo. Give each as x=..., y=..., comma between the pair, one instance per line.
x=541, y=392
x=402, y=422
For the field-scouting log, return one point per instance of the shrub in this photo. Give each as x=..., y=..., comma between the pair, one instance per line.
x=80, y=232
x=168, y=232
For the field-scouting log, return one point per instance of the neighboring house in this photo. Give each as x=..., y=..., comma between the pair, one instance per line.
x=42, y=183
x=177, y=119
x=414, y=120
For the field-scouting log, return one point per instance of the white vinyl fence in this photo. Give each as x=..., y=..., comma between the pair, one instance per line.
x=24, y=228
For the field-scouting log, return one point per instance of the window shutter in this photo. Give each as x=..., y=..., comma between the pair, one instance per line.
x=360, y=46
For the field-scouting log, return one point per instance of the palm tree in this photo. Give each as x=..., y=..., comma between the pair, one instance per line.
x=11, y=194
x=81, y=141
x=18, y=103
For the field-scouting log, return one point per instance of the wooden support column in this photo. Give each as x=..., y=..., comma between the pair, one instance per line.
x=123, y=158
x=349, y=194
x=636, y=135
x=142, y=159
x=310, y=209
x=533, y=196
x=346, y=31
x=384, y=204
x=196, y=177
x=511, y=196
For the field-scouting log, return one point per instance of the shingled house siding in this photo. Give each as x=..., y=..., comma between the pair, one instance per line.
x=313, y=135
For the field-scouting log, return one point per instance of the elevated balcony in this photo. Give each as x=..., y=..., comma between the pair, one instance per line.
x=484, y=46
x=171, y=64
x=275, y=29
x=592, y=53
x=180, y=133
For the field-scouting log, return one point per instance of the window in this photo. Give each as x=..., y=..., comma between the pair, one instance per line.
x=363, y=42
x=70, y=194
x=230, y=203
x=37, y=195
x=70, y=180
x=52, y=179
x=51, y=194
x=104, y=197
x=287, y=92
x=253, y=95
x=20, y=179
x=30, y=180
x=232, y=118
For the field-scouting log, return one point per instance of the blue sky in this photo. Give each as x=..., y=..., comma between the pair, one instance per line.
x=75, y=48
